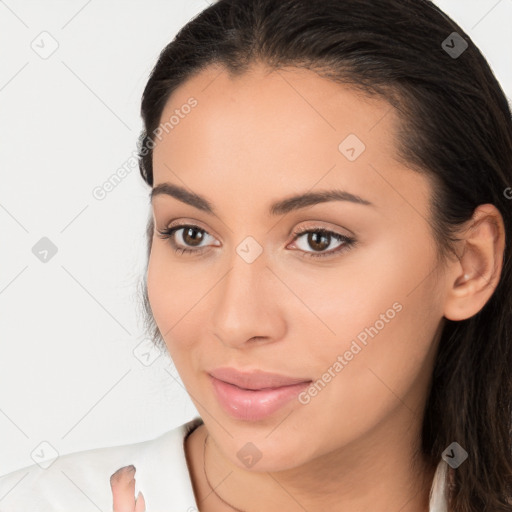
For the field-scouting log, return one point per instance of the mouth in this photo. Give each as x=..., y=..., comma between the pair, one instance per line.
x=256, y=379
x=255, y=403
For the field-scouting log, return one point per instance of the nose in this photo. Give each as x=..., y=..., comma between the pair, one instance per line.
x=248, y=304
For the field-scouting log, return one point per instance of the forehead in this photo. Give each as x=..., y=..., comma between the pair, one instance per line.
x=281, y=130
x=290, y=97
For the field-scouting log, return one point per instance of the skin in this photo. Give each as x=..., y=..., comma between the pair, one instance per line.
x=260, y=138
x=122, y=483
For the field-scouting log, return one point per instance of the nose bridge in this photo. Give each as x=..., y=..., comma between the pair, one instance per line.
x=243, y=307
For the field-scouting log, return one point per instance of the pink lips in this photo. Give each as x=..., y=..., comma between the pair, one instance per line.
x=256, y=395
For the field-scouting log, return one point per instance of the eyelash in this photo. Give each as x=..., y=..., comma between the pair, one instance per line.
x=348, y=241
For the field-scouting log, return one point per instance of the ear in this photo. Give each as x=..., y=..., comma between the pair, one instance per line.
x=473, y=278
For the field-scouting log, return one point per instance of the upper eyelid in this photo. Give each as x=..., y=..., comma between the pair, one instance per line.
x=296, y=232
x=193, y=222
x=186, y=224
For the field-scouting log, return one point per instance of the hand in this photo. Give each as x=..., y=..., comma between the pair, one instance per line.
x=122, y=483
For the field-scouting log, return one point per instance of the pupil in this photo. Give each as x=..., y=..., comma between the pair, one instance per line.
x=194, y=240
x=318, y=245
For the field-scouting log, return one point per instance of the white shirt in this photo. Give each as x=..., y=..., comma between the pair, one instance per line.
x=80, y=481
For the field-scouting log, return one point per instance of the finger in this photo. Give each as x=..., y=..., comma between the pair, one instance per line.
x=122, y=483
x=140, y=504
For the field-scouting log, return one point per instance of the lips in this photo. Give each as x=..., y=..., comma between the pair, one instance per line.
x=255, y=404
x=256, y=379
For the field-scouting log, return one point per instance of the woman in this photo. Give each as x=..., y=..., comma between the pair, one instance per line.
x=327, y=263
x=390, y=101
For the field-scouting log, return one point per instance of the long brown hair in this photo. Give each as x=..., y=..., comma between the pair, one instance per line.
x=456, y=128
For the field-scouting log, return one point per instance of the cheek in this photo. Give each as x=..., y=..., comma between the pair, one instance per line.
x=173, y=292
x=366, y=287
x=379, y=354
x=387, y=372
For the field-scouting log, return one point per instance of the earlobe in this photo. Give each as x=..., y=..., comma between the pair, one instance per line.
x=474, y=277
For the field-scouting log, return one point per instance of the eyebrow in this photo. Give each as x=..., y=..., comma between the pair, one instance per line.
x=278, y=208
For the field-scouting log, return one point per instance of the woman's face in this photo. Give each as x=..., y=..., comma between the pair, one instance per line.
x=358, y=319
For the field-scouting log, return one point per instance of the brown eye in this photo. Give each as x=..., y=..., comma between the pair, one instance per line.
x=320, y=239
x=191, y=236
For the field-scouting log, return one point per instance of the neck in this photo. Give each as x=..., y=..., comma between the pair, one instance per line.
x=376, y=473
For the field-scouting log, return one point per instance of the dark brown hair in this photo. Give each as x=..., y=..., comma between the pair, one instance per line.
x=456, y=129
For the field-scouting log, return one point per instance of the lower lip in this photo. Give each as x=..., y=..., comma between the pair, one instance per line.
x=254, y=405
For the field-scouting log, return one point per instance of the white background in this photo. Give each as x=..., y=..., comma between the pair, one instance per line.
x=68, y=327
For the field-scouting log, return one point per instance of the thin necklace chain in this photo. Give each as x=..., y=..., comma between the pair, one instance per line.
x=451, y=484
x=206, y=476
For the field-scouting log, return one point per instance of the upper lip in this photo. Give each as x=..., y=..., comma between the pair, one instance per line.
x=255, y=379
